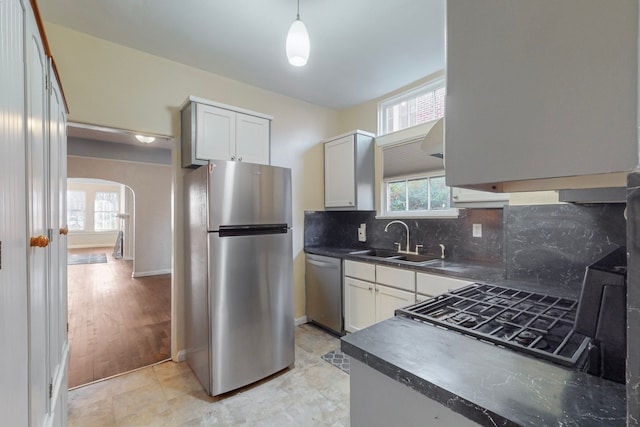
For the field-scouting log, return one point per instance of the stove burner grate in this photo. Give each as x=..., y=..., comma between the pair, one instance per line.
x=536, y=324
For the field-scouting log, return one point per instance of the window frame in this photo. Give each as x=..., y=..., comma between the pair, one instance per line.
x=452, y=212
x=431, y=86
x=84, y=211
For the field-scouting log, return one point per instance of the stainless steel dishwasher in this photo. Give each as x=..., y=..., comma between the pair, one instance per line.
x=323, y=277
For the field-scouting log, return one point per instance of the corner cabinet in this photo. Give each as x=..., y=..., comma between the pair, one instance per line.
x=349, y=172
x=542, y=94
x=213, y=131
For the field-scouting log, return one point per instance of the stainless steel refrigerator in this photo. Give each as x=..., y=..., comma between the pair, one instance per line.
x=238, y=273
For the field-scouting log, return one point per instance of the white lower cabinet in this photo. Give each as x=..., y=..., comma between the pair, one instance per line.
x=366, y=301
x=359, y=304
x=430, y=285
x=389, y=299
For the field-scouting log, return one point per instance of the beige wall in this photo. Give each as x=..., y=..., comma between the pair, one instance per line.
x=111, y=85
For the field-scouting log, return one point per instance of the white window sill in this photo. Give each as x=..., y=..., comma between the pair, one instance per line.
x=443, y=214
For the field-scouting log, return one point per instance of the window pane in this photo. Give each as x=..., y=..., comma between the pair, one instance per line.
x=76, y=210
x=420, y=105
x=397, y=193
x=440, y=194
x=418, y=194
x=105, y=211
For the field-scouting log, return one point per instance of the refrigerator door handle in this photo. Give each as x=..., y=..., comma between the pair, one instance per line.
x=248, y=230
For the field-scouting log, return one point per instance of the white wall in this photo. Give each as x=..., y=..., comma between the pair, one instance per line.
x=151, y=185
x=114, y=86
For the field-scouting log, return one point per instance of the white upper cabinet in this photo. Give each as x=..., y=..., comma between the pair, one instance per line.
x=349, y=174
x=541, y=94
x=212, y=131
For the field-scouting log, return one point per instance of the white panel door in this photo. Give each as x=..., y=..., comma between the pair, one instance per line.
x=14, y=395
x=359, y=304
x=215, y=133
x=39, y=380
x=252, y=139
x=339, y=173
x=390, y=299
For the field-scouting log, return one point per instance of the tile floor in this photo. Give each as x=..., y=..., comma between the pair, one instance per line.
x=313, y=393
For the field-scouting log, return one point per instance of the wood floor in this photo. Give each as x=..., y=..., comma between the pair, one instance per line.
x=116, y=323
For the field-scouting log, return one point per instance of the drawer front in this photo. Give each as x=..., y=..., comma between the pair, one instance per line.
x=432, y=284
x=396, y=277
x=360, y=270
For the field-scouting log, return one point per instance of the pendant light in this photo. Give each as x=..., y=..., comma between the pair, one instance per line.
x=298, y=42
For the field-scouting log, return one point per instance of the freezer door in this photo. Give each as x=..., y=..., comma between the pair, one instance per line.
x=250, y=307
x=245, y=193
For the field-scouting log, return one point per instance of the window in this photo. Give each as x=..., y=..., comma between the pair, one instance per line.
x=420, y=105
x=76, y=210
x=106, y=211
x=418, y=196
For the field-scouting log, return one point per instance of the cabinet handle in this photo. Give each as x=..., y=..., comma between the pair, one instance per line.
x=233, y=157
x=40, y=242
x=377, y=290
x=370, y=288
x=455, y=197
x=239, y=159
x=350, y=203
x=64, y=231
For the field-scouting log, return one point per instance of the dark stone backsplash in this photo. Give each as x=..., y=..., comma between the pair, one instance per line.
x=539, y=243
x=557, y=242
x=340, y=229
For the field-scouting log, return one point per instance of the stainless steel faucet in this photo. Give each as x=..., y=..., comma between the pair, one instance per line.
x=406, y=251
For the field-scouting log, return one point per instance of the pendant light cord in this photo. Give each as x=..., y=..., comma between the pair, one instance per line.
x=298, y=10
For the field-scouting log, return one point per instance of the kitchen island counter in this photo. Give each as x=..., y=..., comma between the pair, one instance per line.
x=486, y=384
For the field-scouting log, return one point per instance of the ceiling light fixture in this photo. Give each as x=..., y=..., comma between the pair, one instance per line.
x=298, y=42
x=145, y=139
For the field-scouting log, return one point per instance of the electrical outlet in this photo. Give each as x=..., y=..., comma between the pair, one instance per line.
x=477, y=230
x=362, y=233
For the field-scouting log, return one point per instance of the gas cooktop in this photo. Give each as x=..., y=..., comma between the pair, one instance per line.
x=536, y=324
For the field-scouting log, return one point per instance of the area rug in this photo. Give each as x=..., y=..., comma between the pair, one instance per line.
x=76, y=259
x=337, y=359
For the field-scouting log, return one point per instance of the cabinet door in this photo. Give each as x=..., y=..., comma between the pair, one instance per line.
x=339, y=173
x=57, y=293
x=390, y=299
x=359, y=304
x=252, y=139
x=14, y=336
x=215, y=133
x=37, y=189
x=516, y=108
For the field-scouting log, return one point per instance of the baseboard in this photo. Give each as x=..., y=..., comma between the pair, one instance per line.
x=301, y=320
x=150, y=273
x=181, y=356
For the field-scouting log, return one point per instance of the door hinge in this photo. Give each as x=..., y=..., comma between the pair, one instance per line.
x=50, y=390
x=67, y=327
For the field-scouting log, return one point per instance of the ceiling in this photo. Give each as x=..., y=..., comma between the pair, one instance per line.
x=360, y=49
x=99, y=133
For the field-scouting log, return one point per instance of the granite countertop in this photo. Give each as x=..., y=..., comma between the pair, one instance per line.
x=458, y=268
x=488, y=384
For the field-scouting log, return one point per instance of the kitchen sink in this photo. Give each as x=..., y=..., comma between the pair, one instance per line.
x=395, y=256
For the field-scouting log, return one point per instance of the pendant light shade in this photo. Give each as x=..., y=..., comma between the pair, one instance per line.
x=298, y=42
